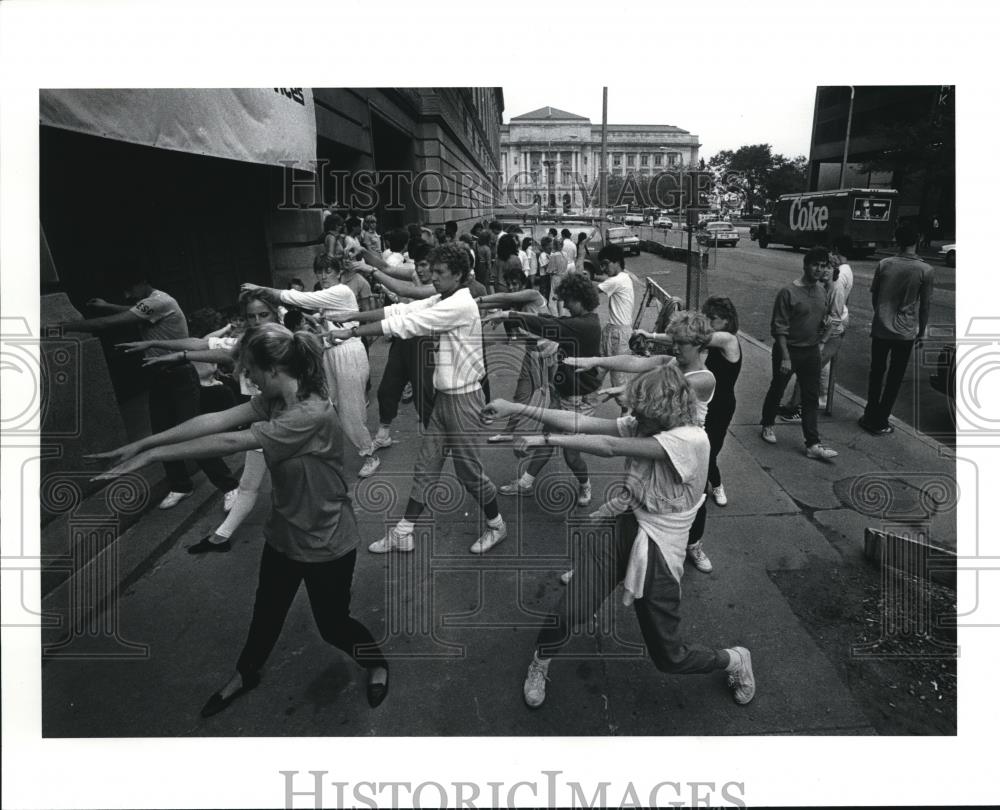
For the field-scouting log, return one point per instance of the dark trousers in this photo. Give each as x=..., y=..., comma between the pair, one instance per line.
x=409, y=361
x=717, y=421
x=805, y=366
x=598, y=567
x=543, y=283
x=882, y=394
x=212, y=399
x=174, y=397
x=329, y=587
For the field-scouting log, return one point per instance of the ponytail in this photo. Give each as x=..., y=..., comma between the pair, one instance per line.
x=299, y=354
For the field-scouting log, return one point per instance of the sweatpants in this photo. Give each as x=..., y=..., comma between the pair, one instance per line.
x=329, y=587
x=254, y=470
x=454, y=427
x=599, y=566
x=533, y=382
x=346, y=369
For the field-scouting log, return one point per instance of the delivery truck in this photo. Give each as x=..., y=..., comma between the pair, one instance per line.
x=866, y=216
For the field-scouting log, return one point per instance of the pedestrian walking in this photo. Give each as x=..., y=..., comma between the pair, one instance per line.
x=311, y=535
x=667, y=465
x=902, y=289
x=797, y=321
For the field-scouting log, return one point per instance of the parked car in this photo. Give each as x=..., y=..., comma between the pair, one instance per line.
x=664, y=222
x=718, y=233
x=634, y=219
x=948, y=251
x=624, y=237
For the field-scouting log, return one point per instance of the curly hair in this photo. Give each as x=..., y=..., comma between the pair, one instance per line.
x=299, y=354
x=455, y=256
x=506, y=247
x=662, y=395
x=688, y=326
x=718, y=306
x=578, y=287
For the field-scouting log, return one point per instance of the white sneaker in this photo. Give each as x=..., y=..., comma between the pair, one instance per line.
x=382, y=440
x=767, y=434
x=566, y=576
x=489, y=539
x=534, y=682
x=173, y=498
x=699, y=558
x=229, y=499
x=585, y=495
x=822, y=403
x=500, y=437
x=719, y=494
x=818, y=451
x=741, y=679
x=371, y=464
x=515, y=488
x=395, y=540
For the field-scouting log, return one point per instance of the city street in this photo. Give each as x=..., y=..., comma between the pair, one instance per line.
x=751, y=277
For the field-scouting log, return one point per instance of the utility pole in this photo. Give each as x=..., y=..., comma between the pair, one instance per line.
x=604, y=158
x=847, y=138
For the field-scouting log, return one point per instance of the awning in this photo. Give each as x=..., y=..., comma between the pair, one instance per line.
x=269, y=125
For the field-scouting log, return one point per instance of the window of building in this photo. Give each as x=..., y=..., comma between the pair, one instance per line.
x=643, y=160
x=657, y=160
x=673, y=158
x=630, y=160
x=616, y=161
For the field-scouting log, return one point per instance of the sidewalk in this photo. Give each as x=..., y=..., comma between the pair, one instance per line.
x=459, y=628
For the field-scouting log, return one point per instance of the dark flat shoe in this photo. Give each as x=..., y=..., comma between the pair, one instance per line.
x=377, y=691
x=217, y=702
x=206, y=545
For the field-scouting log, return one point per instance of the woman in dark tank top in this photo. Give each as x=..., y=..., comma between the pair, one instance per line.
x=725, y=359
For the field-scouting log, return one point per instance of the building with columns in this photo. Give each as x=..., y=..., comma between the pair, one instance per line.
x=554, y=156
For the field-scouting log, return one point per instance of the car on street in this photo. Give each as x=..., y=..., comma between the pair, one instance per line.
x=634, y=218
x=664, y=222
x=623, y=237
x=948, y=251
x=718, y=233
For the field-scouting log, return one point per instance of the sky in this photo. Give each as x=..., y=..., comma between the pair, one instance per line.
x=726, y=118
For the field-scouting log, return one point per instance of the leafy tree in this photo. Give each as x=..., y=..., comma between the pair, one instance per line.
x=757, y=173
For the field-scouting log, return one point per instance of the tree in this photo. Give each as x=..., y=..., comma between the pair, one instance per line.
x=758, y=174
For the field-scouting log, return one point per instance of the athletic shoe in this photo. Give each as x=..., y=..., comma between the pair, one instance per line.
x=699, y=558
x=381, y=440
x=875, y=431
x=818, y=451
x=719, y=495
x=585, y=495
x=173, y=498
x=500, y=437
x=206, y=545
x=516, y=488
x=229, y=499
x=767, y=434
x=395, y=540
x=566, y=576
x=489, y=538
x=741, y=679
x=822, y=402
x=793, y=416
x=534, y=682
x=371, y=464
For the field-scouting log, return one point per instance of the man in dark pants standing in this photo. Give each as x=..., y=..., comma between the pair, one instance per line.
x=797, y=320
x=173, y=389
x=901, y=302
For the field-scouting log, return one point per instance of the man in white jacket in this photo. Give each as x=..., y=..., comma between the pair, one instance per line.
x=451, y=316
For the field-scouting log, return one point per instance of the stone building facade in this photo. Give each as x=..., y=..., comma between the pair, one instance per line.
x=555, y=156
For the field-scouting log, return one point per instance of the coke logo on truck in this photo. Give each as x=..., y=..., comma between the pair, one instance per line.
x=807, y=217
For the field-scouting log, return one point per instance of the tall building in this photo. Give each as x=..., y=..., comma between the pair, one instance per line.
x=912, y=127
x=554, y=156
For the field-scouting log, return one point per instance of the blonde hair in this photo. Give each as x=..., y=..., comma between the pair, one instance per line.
x=688, y=326
x=663, y=395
